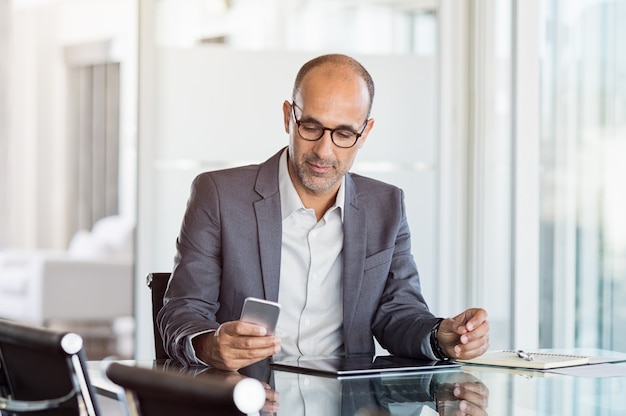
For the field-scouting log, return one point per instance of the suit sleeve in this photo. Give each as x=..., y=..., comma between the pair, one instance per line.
x=403, y=321
x=192, y=298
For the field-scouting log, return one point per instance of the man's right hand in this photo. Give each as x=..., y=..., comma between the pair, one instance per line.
x=235, y=345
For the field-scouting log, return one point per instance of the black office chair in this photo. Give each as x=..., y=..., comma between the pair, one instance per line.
x=151, y=392
x=157, y=282
x=43, y=371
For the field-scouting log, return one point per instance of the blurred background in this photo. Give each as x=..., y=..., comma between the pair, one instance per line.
x=503, y=120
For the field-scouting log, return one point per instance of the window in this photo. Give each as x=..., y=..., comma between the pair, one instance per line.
x=93, y=102
x=583, y=147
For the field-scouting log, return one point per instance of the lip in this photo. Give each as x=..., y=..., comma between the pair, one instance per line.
x=319, y=168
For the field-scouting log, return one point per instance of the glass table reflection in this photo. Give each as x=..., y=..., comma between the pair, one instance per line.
x=498, y=391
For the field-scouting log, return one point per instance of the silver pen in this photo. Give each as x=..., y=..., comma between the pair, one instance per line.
x=524, y=355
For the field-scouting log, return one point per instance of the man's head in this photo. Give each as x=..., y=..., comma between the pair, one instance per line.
x=336, y=60
x=332, y=96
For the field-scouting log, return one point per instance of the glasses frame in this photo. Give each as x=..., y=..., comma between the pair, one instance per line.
x=324, y=129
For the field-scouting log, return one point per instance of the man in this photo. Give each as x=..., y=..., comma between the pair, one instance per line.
x=332, y=247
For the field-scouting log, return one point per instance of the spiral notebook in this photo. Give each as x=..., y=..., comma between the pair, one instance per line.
x=539, y=360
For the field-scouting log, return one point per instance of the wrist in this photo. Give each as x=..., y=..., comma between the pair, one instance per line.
x=434, y=343
x=202, y=346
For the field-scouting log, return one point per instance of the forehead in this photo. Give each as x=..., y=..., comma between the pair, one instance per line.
x=334, y=89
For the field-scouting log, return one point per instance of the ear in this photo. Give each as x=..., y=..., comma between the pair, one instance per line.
x=366, y=132
x=287, y=115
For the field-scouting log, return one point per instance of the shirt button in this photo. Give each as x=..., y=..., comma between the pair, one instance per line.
x=307, y=322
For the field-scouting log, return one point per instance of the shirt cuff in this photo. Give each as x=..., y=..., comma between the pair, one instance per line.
x=190, y=351
x=427, y=348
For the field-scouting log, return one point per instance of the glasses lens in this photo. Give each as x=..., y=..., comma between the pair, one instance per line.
x=344, y=138
x=310, y=131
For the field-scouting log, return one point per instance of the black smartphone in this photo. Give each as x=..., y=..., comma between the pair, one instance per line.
x=261, y=312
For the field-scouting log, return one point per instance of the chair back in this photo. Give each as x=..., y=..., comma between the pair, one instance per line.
x=43, y=371
x=157, y=282
x=152, y=392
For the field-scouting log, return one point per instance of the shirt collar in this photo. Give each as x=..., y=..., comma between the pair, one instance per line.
x=289, y=198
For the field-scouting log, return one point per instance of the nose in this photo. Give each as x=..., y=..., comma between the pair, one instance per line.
x=324, y=146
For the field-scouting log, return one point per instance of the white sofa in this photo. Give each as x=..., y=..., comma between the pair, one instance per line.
x=91, y=281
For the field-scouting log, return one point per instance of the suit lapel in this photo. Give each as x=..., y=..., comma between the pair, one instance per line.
x=354, y=242
x=269, y=229
x=269, y=225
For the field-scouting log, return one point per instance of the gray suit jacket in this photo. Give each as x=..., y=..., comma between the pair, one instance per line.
x=229, y=248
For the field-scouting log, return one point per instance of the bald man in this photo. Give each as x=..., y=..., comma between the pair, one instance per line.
x=332, y=247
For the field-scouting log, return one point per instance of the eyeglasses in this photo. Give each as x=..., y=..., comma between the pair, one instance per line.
x=311, y=132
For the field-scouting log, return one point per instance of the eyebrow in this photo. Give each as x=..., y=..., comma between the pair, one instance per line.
x=309, y=119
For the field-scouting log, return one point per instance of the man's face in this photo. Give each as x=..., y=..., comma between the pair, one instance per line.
x=317, y=167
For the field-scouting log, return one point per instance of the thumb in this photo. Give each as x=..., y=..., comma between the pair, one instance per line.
x=471, y=318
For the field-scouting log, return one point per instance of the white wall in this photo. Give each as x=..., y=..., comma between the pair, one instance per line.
x=4, y=103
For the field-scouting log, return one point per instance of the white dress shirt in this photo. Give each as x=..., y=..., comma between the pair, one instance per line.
x=310, y=291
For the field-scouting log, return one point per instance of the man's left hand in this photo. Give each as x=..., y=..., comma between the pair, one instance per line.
x=466, y=335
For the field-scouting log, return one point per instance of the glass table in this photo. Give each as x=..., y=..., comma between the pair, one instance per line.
x=506, y=391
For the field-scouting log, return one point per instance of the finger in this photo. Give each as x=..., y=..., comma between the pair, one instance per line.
x=271, y=400
x=475, y=318
x=233, y=352
x=480, y=334
x=472, y=349
x=480, y=330
x=231, y=363
x=468, y=408
x=475, y=402
x=271, y=395
x=477, y=388
x=243, y=328
x=450, y=328
x=244, y=336
x=249, y=349
x=477, y=336
x=270, y=408
x=472, y=317
x=252, y=342
x=472, y=393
